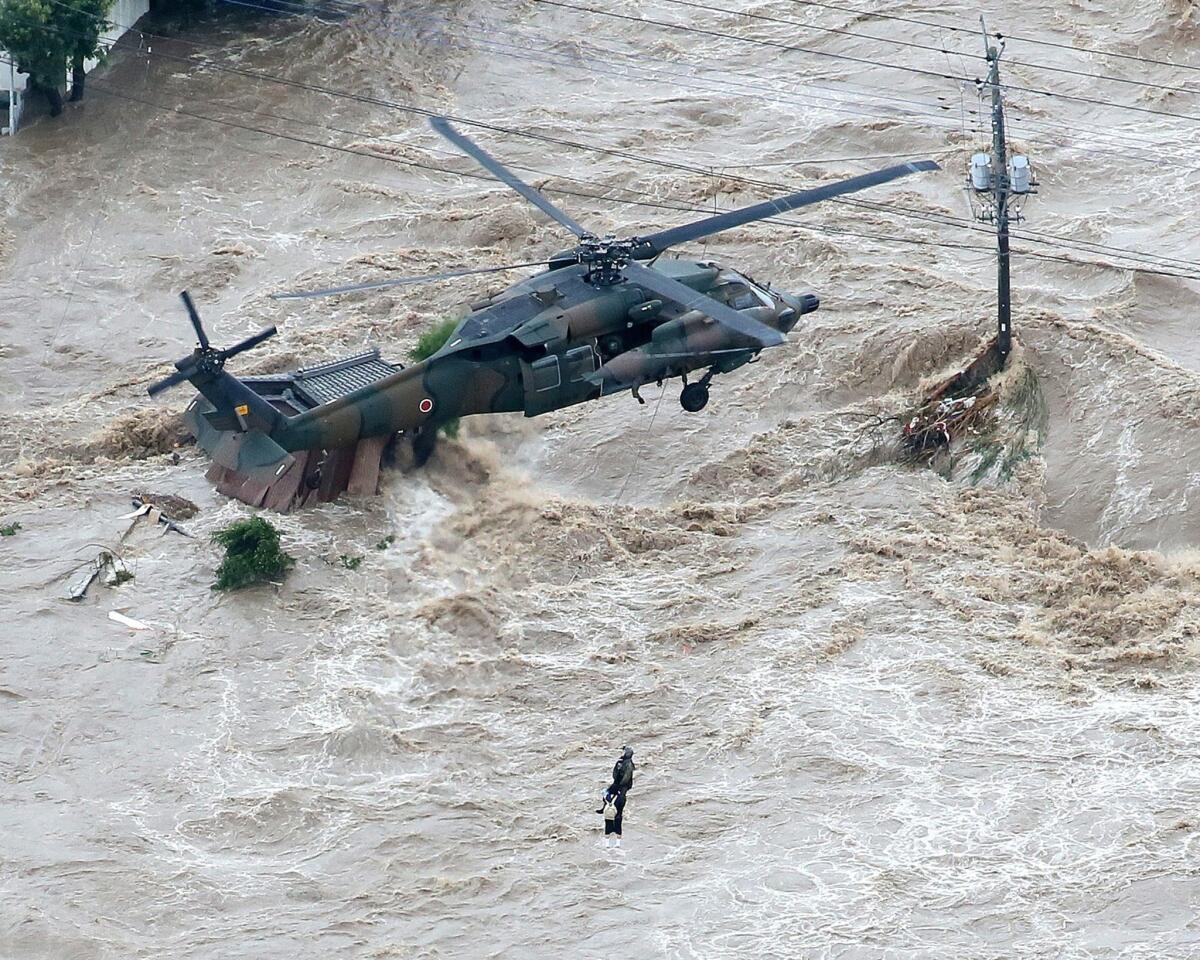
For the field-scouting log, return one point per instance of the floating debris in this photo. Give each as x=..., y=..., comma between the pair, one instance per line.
x=156, y=514
x=129, y=622
x=107, y=567
x=178, y=508
x=252, y=554
x=938, y=422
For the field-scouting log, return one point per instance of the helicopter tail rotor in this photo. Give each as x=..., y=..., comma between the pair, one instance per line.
x=194, y=316
x=166, y=383
x=205, y=360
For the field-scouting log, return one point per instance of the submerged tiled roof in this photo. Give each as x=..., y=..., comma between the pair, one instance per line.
x=330, y=381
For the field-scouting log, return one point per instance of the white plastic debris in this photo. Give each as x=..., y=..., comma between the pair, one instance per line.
x=127, y=621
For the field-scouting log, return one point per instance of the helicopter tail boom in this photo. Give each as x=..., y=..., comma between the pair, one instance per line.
x=250, y=453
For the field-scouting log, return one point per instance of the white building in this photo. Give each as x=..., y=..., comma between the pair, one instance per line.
x=124, y=14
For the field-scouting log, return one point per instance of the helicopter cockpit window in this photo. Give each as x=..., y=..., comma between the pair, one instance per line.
x=739, y=296
x=546, y=375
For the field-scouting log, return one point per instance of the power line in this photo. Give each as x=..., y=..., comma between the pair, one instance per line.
x=675, y=206
x=927, y=216
x=999, y=36
x=753, y=40
x=914, y=45
x=860, y=60
x=817, y=160
x=510, y=51
x=1121, y=139
x=102, y=88
x=1051, y=239
x=366, y=99
x=1125, y=144
x=1108, y=134
x=840, y=96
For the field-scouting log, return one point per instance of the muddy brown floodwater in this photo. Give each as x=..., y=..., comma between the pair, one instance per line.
x=879, y=711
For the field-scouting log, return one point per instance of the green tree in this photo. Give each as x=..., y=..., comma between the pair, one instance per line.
x=82, y=23
x=28, y=33
x=44, y=37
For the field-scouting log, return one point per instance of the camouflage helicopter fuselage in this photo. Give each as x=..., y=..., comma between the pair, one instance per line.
x=545, y=343
x=610, y=314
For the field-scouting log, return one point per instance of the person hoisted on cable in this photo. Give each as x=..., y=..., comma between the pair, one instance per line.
x=613, y=805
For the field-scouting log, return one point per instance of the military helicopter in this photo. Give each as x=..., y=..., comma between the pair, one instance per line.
x=607, y=315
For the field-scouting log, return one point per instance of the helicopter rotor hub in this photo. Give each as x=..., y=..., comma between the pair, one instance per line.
x=208, y=360
x=604, y=258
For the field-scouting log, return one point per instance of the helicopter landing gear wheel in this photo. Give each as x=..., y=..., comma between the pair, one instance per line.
x=694, y=397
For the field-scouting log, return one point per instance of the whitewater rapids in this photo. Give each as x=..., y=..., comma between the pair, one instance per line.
x=878, y=710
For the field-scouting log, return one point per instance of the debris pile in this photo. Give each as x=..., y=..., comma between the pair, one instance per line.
x=108, y=566
x=155, y=513
x=938, y=422
x=955, y=408
x=178, y=508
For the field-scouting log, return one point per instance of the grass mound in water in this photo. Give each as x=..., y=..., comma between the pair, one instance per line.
x=252, y=554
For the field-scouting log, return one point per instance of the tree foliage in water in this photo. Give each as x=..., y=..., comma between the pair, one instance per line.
x=429, y=343
x=45, y=39
x=252, y=554
x=432, y=340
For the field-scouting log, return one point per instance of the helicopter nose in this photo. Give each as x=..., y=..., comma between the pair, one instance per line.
x=807, y=303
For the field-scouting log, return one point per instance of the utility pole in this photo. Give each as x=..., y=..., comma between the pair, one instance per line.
x=1000, y=192
x=996, y=181
x=13, y=103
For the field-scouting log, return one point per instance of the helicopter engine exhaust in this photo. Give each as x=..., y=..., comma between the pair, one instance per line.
x=799, y=305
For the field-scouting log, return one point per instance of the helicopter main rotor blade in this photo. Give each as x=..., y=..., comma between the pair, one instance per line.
x=401, y=281
x=504, y=175
x=656, y=243
x=689, y=299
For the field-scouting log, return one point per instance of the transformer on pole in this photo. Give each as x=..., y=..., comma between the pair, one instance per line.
x=1000, y=184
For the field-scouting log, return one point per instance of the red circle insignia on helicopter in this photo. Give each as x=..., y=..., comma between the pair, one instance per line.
x=425, y=405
